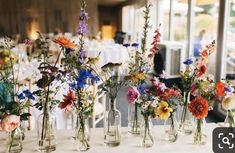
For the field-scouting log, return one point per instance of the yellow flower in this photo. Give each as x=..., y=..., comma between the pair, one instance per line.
x=163, y=111
x=140, y=76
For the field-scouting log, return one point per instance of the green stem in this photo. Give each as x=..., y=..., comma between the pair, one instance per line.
x=12, y=139
x=184, y=112
x=231, y=118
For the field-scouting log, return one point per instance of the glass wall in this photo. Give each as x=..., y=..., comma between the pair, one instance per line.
x=230, y=61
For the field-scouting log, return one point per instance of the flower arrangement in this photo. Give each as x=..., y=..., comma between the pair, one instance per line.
x=81, y=74
x=194, y=81
x=225, y=95
x=14, y=102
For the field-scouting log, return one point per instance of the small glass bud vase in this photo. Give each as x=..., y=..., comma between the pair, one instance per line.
x=147, y=133
x=186, y=118
x=134, y=119
x=171, y=129
x=199, y=136
x=46, y=124
x=82, y=133
x=112, y=126
x=14, y=141
x=230, y=119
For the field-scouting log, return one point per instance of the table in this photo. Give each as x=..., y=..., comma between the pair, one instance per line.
x=129, y=143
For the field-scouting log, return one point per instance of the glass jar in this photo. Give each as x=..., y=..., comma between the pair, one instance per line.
x=134, y=118
x=147, y=133
x=229, y=120
x=82, y=133
x=186, y=118
x=199, y=136
x=14, y=141
x=46, y=124
x=112, y=125
x=171, y=129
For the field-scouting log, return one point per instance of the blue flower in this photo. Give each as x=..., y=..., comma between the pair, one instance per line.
x=135, y=45
x=126, y=45
x=150, y=98
x=72, y=85
x=85, y=74
x=21, y=96
x=28, y=94
x=188, y=61
x=80, y=82
x=95, y=78
x=229, y=89
x=141, y=88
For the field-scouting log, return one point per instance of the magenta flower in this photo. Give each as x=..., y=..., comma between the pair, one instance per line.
x=132, y=94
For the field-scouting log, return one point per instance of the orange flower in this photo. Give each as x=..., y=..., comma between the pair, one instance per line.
x=64, y=42
x=201, y=69
x=199, y=107
x=204, y=53
x=220, y=88
x=68, y=100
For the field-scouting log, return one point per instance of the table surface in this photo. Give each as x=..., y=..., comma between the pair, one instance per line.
x=129, y=143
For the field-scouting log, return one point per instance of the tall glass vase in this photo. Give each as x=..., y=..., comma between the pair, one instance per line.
x=46, y=124
x=230, y=119
x=199, y=136
x=134, y=118
x=14, y=141
x=82, y=133
x=147, y=133
x=112, y=125
x=171, y=129
x=186, y=118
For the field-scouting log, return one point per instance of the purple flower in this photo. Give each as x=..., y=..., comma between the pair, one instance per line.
x=28, y=42
x=229, y=89
x=132, y=94
x=83, y=26
x=83, y=54
x=188, y=61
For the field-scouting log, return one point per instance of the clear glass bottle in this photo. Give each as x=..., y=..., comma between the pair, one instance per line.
x=134, y=119
x=186, y=118
x=171, y=129
x=112, y=125
x=82, y=133
x=14, y=141
x=199, y=136
x=230, y=119
x=147, y=133
x=46, y=125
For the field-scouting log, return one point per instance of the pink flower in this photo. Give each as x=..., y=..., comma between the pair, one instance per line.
x=10, y=123
x=132, y=94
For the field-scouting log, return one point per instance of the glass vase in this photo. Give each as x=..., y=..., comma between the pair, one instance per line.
x=147, y=133
x=82, y=133
x=46, y=124
x=171, y=129
x=199, y=136
x=186, y=118
x=14, y=141
x=112, y=126
x=229, y=120
x=134, y=119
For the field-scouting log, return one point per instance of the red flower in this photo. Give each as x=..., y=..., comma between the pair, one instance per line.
x=68, y=100
x=204, y=53
x=199, y=107
x=168, y=93
x=156, y=41
x=220, y=88
x=201, y=70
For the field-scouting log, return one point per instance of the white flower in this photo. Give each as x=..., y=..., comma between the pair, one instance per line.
x=228, y=102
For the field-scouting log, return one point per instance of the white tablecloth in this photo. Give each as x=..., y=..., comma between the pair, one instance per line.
x=129, y=143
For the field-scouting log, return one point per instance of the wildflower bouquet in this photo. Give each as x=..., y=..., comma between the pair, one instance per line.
x=192, y=79
x=225, y=95
x=14, y=102
x=81, y=73
x=139, y=68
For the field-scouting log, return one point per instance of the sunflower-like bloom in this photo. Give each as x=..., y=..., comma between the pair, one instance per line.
x=65, y=43
x=163, y=111
x=199, y=107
